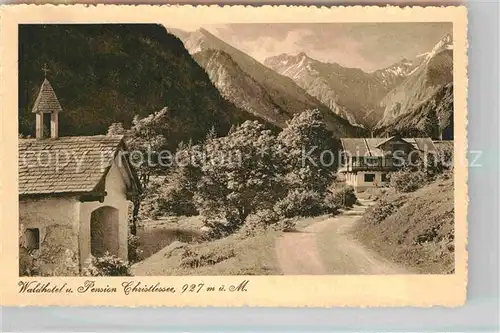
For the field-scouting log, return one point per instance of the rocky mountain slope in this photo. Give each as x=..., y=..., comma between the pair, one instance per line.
x=237, y=86
x=425, y=86
x=395, y=74
x=433, y=117
x=118, y=72
x=352, y=93
x=259, y=90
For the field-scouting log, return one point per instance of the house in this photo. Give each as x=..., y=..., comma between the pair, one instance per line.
x=74, y=192
x=367, y=161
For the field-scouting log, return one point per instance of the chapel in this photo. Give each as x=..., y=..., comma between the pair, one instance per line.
x=74, y=191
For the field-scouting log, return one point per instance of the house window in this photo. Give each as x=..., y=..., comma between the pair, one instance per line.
x=384, y=177
x=32, y=239
x=369, y=177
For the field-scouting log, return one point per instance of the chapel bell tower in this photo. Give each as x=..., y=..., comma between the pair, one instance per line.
x=47, y=102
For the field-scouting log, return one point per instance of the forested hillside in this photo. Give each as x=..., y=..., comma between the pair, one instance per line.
x=110, y=73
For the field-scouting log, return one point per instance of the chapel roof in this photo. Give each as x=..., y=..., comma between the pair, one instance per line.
x=67, y=165
x=46, y=101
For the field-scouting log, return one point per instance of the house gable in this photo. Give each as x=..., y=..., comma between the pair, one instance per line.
x=123, y=174
x=394, y=144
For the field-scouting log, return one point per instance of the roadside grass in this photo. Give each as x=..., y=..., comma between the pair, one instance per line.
x=414, y=229
x=172, y=246
x=375, y=193
x=227, y=256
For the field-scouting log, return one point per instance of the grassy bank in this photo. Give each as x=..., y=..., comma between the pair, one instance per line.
x=414, y=229
x=228, y=256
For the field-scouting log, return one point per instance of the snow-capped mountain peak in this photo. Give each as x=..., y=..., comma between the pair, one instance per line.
x=349, y=92
x=446, y=43
x=394, y=74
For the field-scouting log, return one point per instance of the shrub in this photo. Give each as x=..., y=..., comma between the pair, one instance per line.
x=407, y=180
x=431, y=164
x=258, y=222
x=134, y=252
x=379, y=212
x=300, y=203
x=285, y=225
x=67, y=264
x=215, y=228
x=445, y=154
x=107, y=265
x=383, y=209
x=205, y=257
x=26, y=261
x=27, y=265
x=340, y=196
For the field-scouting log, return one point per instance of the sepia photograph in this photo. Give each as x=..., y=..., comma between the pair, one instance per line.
x=236, y=149
x=273, y=156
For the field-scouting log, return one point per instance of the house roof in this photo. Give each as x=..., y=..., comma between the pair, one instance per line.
x=68, y=164
x=370, y=146
x=46, y=101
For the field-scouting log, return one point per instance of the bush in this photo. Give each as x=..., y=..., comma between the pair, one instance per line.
x=432, y=164
x=215, y=228
x=107, y=265
x=300, y=203
x=134, y=252
x=205, y=257
x=340, y=196
x=258, y=222
x=27, y=266
x=445, y=154
x=407, y=180
x=285, y=225
x=384, y=208
x=379, y=212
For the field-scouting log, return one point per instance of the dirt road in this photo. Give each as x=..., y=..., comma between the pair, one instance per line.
x=326, y=247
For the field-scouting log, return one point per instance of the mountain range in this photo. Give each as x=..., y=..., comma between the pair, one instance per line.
x=121, y=71
x=349, y=92
x=254, y=87
x=428, y=90
x=383, y=102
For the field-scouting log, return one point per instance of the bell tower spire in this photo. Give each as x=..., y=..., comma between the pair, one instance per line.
x=47, y=102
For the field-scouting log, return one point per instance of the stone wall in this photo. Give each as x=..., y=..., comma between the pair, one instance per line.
x=64, y=225
x=57, y=222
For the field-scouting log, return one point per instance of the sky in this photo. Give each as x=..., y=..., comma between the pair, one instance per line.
x=369, y=46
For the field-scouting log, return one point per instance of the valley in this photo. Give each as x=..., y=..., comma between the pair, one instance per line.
x=380, y=103
x=206, y=82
